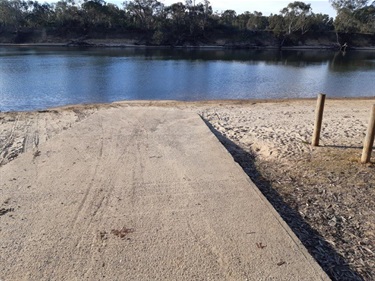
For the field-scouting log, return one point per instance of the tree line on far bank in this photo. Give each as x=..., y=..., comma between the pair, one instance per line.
x=181, y=23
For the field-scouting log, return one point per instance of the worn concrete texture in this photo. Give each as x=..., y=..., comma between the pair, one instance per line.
x=141, y=194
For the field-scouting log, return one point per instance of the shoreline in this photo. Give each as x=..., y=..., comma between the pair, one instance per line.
x=172, y=103
x=89, y=44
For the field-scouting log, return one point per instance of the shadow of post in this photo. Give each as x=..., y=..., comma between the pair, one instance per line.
x=331, y=262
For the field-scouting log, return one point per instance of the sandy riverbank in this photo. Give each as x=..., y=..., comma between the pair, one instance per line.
x=320, y=192
x=94, y=43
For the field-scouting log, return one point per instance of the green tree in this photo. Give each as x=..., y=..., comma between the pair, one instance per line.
x=13, y=13
x=366, y=17
x=321, y=23
x=203, y=12
x=197, y=18
x=144, y=12
x=96, y=14
x=354, y=16
x=175, y=24
x=351, y=5
x=257, y=21
x=297, y=17
x=242, y=20
x=276, y=24
x=228, y=17
x=176, y=14
x=345, y=22
x=118, y=17
x=68, y=17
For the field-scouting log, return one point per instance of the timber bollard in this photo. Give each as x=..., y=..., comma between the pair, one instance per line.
x=318, y=119
x=369, y=139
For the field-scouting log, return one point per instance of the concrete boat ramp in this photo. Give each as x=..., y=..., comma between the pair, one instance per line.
x=141, y=193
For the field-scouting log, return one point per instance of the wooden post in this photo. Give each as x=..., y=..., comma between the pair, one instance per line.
x=369, y=140
x=318, y=119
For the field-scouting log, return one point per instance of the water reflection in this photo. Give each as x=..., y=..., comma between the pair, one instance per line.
x=352, y=61
x=32, y=78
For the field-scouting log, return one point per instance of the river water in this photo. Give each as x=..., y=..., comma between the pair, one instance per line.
x=38, y=78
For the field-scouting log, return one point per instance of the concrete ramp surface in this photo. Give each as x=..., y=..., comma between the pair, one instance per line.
x=141, y=194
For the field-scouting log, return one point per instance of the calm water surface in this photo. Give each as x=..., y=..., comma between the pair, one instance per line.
x=38, y=78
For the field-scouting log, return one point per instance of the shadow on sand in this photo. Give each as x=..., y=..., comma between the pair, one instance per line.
x=331, y=262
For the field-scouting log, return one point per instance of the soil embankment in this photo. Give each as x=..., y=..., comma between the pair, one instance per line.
x=234, y=40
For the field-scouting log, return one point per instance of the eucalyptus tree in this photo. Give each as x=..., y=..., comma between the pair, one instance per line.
x=257, y=21
x=321, y=23
x=366, y=16
x=297, y=17
x=351, y=5
x=39, y=15
x=176, y=23
x=242, y=20
x=96, y=14
x=68, y=16
x=13, y=13
x=354, y=16
x=177, y=14
x=145, y=13
x=228, y=17
x=276, y=24
x=198, y=17
x=205, y=14
x=118, y=17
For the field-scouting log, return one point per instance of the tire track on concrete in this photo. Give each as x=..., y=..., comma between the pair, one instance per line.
x=215, y=252
x=78, y=226
x=130, y=148
x=112, y=153
x=97, y=247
